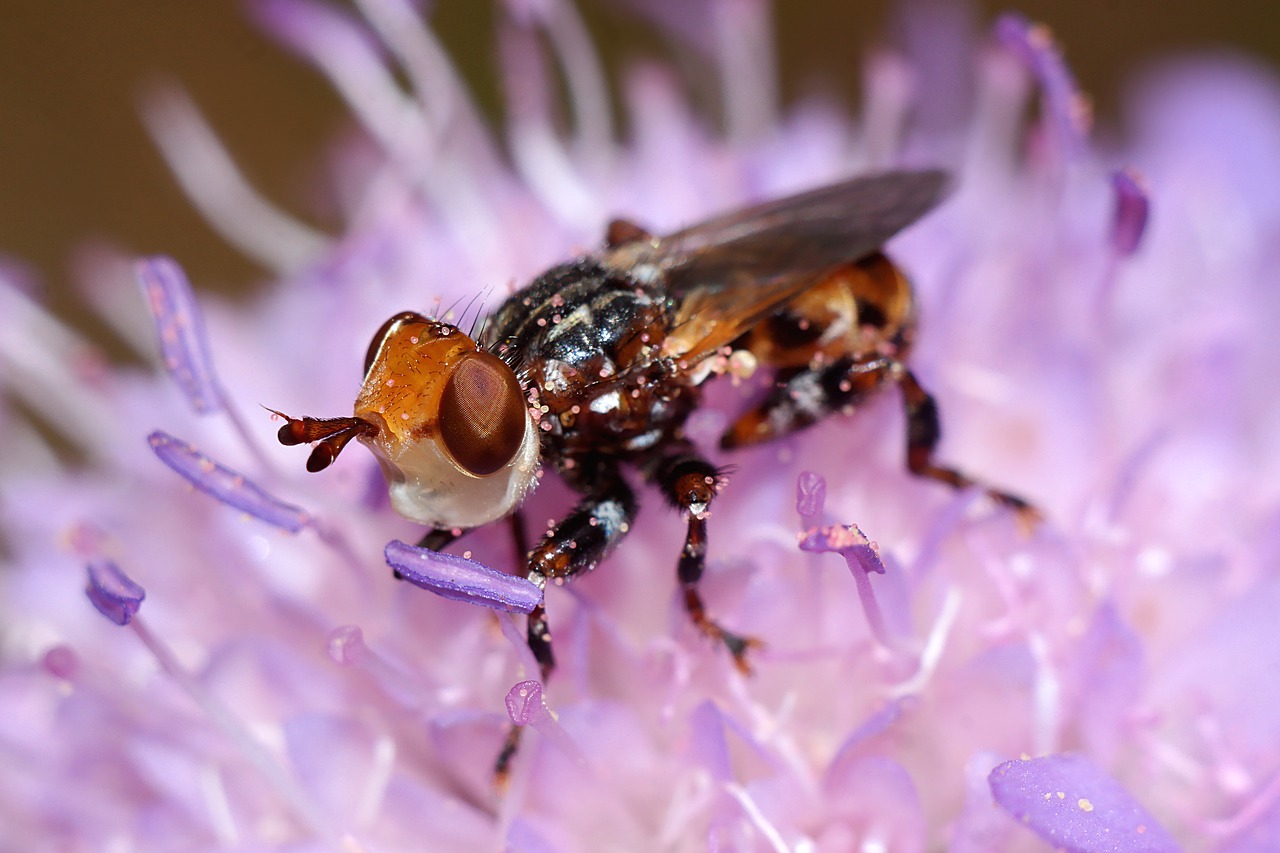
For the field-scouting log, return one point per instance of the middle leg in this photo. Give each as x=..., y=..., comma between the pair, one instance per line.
x=577, y=544
x=689, y=483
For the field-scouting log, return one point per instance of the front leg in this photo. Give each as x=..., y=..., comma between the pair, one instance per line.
x=580, y=541
x=689, y=483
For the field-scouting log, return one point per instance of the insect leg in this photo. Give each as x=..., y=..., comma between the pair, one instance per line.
x=804, y=396
x=689, y=482
x=582, y=539
x=923, y=432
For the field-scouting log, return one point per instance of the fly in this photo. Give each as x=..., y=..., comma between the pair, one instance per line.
x=595, y=366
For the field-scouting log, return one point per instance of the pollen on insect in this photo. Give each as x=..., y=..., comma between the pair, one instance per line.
x=542, y=321
x=413, y=339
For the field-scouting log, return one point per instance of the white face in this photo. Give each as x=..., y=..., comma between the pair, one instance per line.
x=429, y=487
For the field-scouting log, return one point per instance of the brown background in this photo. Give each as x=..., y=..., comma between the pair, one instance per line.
x=75, y=163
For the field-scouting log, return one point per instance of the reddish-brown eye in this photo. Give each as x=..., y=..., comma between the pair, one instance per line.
x=482, y=414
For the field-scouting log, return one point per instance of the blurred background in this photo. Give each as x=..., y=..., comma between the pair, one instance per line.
x=76, y=165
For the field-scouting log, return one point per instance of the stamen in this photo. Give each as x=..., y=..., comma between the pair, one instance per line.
x=112, y=592
x=746, y=52
x=1066, y=107
x=546, y=165
x=219, y=190
x=446, y=100
x=1132, y=207
x=582, y=70
x=758, y=818
x=56, y=372
x=1071, y=803
x=346, y=54
x=811, y=498
x=117, y=597
x=887, y=94
x=862, y=557
x=459, y=579
x=526, y=708
x=179, y=324
x=226, y=485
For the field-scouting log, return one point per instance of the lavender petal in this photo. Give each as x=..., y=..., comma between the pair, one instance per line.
x=1133, y=206
x=224, y=484
x=1071, y=803
x=459, y=579
x=180, y=331
x=114, y=593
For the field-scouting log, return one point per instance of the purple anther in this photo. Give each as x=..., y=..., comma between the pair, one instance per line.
x=113, y=592
x=848, y=541
x=226, y=485
x=460, y=579
x=61, y=661
x=1071, y=803
x=862, y=558
x=524, y=703
x=811, y=497
x=1066, y=106
x=346, y=644
x=184, y=346
x=1132, y=208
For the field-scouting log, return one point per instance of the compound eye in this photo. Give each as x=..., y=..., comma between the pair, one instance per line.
x=381, y=335
x=482, y=414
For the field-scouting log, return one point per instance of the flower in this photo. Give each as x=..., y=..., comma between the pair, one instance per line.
x=1096, y=327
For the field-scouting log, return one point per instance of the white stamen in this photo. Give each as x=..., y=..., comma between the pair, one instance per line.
x=748, y=73
x=753, y=813
x=215, y=185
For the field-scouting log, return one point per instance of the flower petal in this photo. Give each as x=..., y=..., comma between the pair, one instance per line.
x=457, y=578
x=230, y=487
x=1071, y=803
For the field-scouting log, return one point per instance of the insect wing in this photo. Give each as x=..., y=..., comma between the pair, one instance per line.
x=733, y=270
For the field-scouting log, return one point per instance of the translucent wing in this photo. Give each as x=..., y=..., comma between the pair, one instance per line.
x=733, y=270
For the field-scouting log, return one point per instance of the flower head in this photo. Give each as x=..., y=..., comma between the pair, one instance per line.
x=1095, y=327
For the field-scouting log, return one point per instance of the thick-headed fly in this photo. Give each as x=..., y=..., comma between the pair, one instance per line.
x=596, y=365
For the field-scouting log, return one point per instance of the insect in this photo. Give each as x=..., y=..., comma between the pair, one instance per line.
x=595, y=366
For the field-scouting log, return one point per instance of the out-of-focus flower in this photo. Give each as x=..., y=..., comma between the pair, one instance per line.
x=1099, y=342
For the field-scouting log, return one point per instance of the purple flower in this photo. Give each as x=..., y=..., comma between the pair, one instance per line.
x=1097, y=328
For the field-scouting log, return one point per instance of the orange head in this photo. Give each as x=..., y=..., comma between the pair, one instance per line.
x=448, y=422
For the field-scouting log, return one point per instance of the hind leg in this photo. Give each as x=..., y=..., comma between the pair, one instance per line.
x=806, y=396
